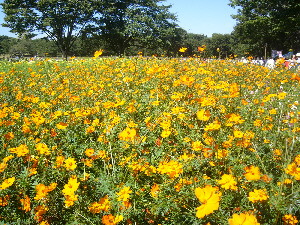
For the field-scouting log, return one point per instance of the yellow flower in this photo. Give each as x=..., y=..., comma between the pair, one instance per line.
x=102, y=205
x=61, y=126
x=70, y=164
x=21, y=150
x=197, y=145
x=243, y=219
x=98, y=53
x=172, y=168
x=42, y=149
x=42, y=190
x=203, y=115
x=228, y=182
x=165, y=133
x=238, y=134
x=111, y=220
x=290, y=220
x=258, y=195
x=182, y=49
x=124, y=194
x=89, y=152
x=25, y=204
x=209, y=197
x=69, y=191
x=252, y=173
x=215, y=125
x=154, y=190
x=128, y=134
x=7, y=183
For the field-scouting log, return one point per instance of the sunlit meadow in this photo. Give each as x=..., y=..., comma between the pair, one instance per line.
x=148, y=141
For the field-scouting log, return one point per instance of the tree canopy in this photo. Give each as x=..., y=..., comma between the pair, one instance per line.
x=126, y=23
x=271, y=23
x=121, y=23
x=61, y=21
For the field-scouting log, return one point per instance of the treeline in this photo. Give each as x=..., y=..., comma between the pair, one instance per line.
x=219, y=46
x=126, y=27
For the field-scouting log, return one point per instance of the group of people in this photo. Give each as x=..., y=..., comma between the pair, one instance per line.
x=271, y=63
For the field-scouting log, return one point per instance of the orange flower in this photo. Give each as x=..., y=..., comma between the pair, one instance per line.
x=111, y=220
x=290, y=220
x=102, y=205
x=4, y=200
x=25, y=204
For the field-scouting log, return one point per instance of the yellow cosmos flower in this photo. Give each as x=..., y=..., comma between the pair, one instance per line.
x=42, y=190
x=216, y=125
x=21, y=150
x=7, y=183
x=203, y=115
x=124, y=194
x=25, y=203
x=61, y=126
x=42, y=149
x=182, y=49
x=69, y=191
x=154, y=190
x=258, y=195
x=228, y=182
x=98, y=53
x=172, y=168
x=111, y=220
x=243, y=219
x=128, y=134
x=290, y=220
x=252, y=173
x=70, y=164
x=209, y=197
x=89, y=152
x=102, y=205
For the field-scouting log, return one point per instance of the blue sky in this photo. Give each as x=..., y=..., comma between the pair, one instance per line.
x=195, y=16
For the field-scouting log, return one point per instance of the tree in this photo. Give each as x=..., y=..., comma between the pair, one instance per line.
x=6, y=43
x=125, y=23
x=60, y=20
x=219, y=45
x=268, y=22
x=193, y=41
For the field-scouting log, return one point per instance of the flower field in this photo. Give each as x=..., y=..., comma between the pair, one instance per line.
x=148, y=141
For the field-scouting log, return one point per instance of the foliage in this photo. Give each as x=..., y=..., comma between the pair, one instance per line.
x=274, y=23
x=148, y=140
x=220, y=45
x=136, y=23
x=61, y=21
